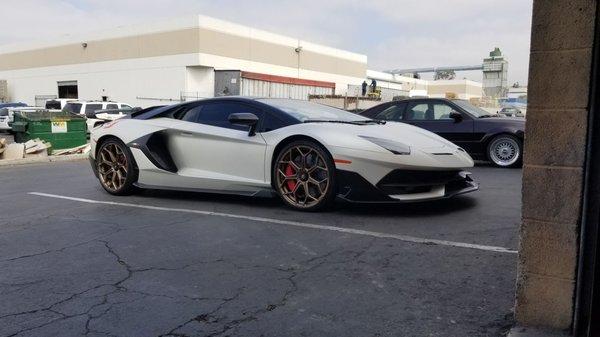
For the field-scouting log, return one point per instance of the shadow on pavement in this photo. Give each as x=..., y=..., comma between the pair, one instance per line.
x=416, y=209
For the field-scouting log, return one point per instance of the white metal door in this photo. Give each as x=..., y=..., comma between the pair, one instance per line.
x=218, y=158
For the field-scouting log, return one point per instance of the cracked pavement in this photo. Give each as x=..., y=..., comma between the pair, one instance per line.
x=77, y=269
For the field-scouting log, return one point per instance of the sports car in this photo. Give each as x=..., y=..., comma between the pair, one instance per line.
x=485, y=136
x=306, y=153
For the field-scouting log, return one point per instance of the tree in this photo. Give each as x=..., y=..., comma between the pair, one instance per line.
x=444, y=75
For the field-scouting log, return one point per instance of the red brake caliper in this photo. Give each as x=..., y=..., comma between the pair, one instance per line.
x=289, y=171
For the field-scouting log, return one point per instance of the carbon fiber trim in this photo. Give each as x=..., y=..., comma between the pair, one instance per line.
x=154, y=146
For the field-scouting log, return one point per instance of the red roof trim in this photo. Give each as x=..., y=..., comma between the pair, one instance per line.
x=286, y=80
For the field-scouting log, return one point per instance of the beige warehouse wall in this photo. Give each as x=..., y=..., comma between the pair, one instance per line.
x=183, y=41
x=464, y=89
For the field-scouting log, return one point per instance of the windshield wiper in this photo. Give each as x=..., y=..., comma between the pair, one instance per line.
x=485, y=116
x=368, y=121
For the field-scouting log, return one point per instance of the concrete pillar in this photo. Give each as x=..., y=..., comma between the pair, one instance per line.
x=559, y=80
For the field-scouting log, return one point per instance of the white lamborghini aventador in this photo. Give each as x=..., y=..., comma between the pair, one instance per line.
x=304, y=152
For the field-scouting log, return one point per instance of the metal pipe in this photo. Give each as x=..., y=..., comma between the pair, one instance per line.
x=433, y=69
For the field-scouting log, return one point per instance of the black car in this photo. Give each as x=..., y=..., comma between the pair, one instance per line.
x=485, y=136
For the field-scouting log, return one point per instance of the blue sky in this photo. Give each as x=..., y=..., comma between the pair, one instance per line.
x=392, y=33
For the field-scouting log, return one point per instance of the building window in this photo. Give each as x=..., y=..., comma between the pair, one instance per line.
x=67, y=89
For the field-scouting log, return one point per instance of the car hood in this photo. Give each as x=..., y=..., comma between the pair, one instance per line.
x=346, y=135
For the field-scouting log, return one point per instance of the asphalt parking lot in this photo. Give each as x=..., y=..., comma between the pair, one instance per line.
x=76, y=261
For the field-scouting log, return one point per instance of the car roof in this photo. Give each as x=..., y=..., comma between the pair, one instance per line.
x=429, y=99
x=257, y=101
x=14, y=104
x=107, y=102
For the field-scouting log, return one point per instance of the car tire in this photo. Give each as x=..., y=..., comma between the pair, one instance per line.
x=116, y=167
x=303, y=176
x=505, y=151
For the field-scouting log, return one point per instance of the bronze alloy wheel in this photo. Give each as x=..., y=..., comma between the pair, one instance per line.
x=112, y=166
x=302, y=176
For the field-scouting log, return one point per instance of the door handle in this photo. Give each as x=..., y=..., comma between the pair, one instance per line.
x=187, y=134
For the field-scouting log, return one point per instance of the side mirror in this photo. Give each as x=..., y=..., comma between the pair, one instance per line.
x=245, y=118
x=456, y=116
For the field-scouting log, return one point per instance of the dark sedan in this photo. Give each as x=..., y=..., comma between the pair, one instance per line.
x=485, y=136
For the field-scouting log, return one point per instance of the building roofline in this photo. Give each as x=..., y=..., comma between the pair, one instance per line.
x=187, y=22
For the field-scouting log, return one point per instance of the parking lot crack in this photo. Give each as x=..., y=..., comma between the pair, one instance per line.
x=205, y=317
x=51, y=308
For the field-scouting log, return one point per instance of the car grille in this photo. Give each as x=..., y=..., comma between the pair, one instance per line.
x=413, y=181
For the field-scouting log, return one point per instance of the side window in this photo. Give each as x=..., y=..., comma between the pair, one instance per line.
x=192, y=114
x=125, y=106
x=91, y=108
x=417, y=111
x=373, y=112
x=441, y=111
x=73, y=108
x=112, y=106
x=270, y=123
x=217, y=114
x=392, y=113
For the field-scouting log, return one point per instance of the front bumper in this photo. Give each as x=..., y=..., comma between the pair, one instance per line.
x=404, y=186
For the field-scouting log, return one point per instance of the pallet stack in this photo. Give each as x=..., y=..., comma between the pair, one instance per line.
x=31, y=148
x=2, y=146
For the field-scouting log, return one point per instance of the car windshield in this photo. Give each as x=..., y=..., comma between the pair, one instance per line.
x=306, y=111
x=471, y=109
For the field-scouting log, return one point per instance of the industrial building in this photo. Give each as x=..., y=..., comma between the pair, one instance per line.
x=197, y=57
x=393, y=85
x=176, y=60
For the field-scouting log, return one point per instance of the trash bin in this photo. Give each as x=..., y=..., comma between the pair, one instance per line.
x=62, y=129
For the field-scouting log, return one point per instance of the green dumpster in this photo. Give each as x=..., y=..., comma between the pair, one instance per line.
x=62, y=129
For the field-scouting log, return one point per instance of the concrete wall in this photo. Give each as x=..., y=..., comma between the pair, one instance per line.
x=140, y=82
x=146, y=61
x=200, y=81
x=464, y=89
x=555, y=142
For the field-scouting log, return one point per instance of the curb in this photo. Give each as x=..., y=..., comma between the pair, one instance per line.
x=35, y=160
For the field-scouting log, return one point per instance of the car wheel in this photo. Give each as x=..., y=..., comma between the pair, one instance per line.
x=304, y=176
x=116, y=168
x=505, y=151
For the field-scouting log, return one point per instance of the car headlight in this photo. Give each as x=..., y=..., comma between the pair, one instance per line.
x=390, y=145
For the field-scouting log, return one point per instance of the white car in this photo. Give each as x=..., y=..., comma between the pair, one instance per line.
x=58, y=103
x=7, y=115
x=89, y=109
x=304, y=152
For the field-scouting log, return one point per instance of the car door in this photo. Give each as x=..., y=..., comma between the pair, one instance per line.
x=434, y=116
x=216, y=153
